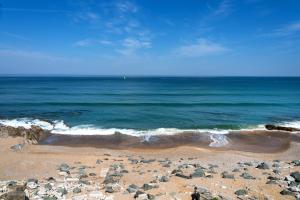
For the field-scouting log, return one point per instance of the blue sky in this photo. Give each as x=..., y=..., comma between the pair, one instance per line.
x=150, y=37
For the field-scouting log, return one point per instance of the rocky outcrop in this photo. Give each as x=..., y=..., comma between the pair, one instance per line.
x=32, y=135
x=280, y=128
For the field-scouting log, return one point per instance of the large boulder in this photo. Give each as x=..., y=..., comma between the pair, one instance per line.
x=280, y=128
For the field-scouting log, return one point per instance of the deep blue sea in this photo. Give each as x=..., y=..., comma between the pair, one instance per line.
x=101, y=105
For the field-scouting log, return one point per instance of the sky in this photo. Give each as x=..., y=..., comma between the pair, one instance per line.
x=150, y=37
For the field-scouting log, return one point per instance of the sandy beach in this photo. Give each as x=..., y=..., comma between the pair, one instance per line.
x=157, y=173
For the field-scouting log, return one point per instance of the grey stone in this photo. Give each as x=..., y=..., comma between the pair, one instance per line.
x=64, y=167
x=245, y=175
x=286, y=192
x=77, y=190
x=17, y=147
x=241, y=192
x=198, y=173
x=227, y=175
x=263, y=165
x=62, y=191
x=164, y=179
x=296, y=176
x=296, y=162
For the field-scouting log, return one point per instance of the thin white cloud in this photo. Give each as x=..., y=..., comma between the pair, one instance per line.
x=132, y=45
x=34, y=10
x=289, y=29
x=223, y=9
x=202, y=47
x=105, y=42
x=17, y=53
x=126, y=7
x=83, y=43
x=90, y=42
x=15, y=36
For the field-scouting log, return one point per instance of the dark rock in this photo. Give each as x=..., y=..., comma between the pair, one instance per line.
x=77, y=190
x=296, y=176
x=198, y=173
x=245, y=175
x=271, y=182
x=273, y=178
x=241, y=192
x=48, y=186
x=236, y=170
x=150, y=196
x=124, y=171
x=296, y=162
x=51, y=179
x=98, y=162
x=164, y=179
x=132, y=188
x=85, y=182
x=293, y=184
x=11, y=183
x=286, y=192
x=147, y=186
x=62, y=190
x=280, y=128
x=248, y=164
x=50, y=198
x=227, y=175
x=183, y=176
x=14, y=195
x=64, y=167
x=92, y=174
x=276, y=171
x=147, y=161
x=136, y=195
x=177, y=171
x=263, y=165
x=276, y=165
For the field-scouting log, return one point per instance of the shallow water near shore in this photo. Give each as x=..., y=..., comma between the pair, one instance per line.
x=149, y=106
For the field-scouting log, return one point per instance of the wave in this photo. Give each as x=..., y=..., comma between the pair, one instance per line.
x=208, y=104
x=217, y=136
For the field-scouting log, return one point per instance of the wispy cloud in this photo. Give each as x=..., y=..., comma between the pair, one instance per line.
x=15, y=36
x=223, y=9
x=289, y=29
x=126, y=7
x=33, y=10
x=90, y=42
x=131, y=45
x=202, y=47
x=36, y=55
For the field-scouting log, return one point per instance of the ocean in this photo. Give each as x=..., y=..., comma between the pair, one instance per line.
x=149, y=105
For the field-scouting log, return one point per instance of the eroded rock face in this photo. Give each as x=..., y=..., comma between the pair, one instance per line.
x=280, y=128
x=31, y=136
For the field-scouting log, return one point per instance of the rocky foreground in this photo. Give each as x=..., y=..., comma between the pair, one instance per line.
x=78, y=181
x=31, y=171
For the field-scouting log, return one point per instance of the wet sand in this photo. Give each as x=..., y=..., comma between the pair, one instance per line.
x=250, y=141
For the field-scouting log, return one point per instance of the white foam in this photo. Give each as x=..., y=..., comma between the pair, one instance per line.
x=59, y=127
x=27, y=123
x=294, y=124
x=218, y=140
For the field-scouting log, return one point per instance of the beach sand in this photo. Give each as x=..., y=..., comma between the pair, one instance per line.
x=145, y=165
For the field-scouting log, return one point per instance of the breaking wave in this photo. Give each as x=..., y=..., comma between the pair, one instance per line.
x=217, y=136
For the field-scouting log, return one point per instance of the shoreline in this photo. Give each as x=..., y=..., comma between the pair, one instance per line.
x=250, y=141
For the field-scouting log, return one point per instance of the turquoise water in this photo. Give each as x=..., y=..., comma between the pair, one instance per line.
x=143, y=103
